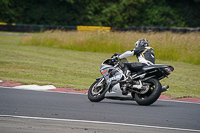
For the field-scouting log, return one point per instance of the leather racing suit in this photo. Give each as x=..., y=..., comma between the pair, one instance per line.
x=145, y=56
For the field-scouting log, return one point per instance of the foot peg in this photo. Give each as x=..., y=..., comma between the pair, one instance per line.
x=165, y=88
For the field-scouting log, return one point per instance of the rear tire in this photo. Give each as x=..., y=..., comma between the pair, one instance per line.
x=152, y=95
x=97, y=94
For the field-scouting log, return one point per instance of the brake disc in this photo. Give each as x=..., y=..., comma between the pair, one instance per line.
x=144, y=89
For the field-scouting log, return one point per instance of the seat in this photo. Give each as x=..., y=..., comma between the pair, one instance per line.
x=134, y=67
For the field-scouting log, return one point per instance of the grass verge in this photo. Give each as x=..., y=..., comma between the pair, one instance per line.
x=167, y=45
x=67, y=68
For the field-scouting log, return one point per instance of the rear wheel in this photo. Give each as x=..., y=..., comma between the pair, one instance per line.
x=97, y=90
x=151, y=95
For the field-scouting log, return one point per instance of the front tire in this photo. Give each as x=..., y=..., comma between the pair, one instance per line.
x=97, y=93
x=152, y=95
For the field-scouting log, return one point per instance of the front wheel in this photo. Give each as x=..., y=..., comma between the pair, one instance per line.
x=97, y=90
x=151, y=95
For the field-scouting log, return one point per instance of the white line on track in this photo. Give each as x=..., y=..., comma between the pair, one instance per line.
x=165, y=100
x=100, y=122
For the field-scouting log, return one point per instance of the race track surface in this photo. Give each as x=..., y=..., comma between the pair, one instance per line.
x=177, y=116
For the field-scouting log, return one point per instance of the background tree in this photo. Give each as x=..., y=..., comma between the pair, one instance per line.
x=114, y=13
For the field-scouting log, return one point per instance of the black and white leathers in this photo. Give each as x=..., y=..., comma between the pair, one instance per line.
x=144, y=55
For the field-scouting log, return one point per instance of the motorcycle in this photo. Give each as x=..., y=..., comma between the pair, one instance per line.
x=113, y=84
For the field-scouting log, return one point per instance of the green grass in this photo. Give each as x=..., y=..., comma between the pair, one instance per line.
x=41, y=65
x=29, y=64
x=167, y=45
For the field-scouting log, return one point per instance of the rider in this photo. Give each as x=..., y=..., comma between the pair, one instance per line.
x=144, y=54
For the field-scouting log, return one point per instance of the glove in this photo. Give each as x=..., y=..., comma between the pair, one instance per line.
x=115, y=54
x=116, y=58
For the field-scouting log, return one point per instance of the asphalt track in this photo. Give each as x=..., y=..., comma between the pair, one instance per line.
x=38, y=111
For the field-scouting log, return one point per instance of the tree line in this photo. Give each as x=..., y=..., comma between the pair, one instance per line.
x=113, y=13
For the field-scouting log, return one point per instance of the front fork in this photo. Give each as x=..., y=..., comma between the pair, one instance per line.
x=100, y=82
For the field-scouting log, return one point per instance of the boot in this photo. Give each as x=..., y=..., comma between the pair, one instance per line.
x=127, y=81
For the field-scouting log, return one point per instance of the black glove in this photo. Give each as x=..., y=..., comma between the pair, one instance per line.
x=116, y=58
x=115, y=54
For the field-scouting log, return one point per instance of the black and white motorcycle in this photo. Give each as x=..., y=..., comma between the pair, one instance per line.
x=145, y=89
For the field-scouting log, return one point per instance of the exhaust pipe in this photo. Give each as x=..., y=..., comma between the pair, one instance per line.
x=165, y=88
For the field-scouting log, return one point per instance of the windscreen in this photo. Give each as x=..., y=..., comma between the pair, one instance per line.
x=123, y=60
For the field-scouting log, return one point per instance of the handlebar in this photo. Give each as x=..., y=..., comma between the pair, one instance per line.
x=115, y=62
